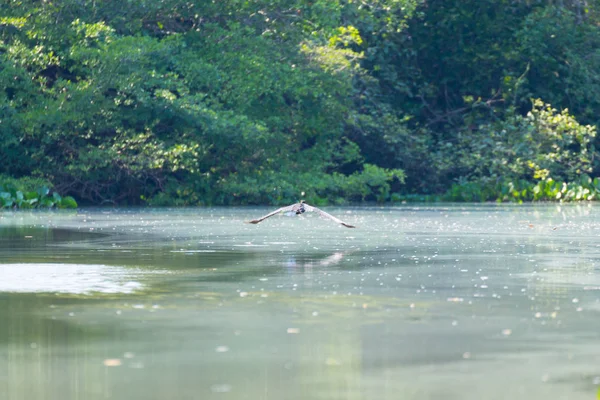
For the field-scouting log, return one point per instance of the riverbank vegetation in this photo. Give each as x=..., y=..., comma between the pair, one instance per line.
x=27, y=193
x=173, y=102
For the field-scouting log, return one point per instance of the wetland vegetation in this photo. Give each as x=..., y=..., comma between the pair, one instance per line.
x=175, y=102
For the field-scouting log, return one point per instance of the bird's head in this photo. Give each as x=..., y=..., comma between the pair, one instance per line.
x=302, y=202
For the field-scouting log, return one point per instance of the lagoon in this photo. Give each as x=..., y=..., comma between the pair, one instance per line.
x=419, y=302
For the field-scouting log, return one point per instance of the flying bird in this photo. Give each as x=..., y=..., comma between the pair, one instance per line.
x=301, y=208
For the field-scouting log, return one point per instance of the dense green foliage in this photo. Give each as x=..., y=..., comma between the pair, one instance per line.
x=28, y=193
x=249, y=102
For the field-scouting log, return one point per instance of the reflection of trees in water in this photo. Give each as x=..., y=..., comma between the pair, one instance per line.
x=63, y=358
x=562, y=280
x=15, y=237
x=46, y=358
x=329, y=363
x=557, y=267
x=43, y=357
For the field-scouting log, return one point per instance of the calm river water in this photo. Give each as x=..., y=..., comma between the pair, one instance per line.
x=432, y=302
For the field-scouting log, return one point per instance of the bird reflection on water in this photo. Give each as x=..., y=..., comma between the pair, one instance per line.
x=328, y=261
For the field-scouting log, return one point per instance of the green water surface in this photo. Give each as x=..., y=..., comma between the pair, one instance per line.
x=452, y=302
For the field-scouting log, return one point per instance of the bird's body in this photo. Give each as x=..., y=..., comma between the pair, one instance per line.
x=301, y=208
x=294, y=209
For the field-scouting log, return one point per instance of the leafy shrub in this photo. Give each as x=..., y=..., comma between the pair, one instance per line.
x=543, y=144
x=520, y=191
x=31, y=193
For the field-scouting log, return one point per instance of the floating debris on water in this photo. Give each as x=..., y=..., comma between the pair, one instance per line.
x=193, y=251
x=112, y=362
x=220, y=388
x=455, y=299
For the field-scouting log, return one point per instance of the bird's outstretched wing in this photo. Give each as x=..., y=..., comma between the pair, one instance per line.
x=327, y=215
x=279, y=210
